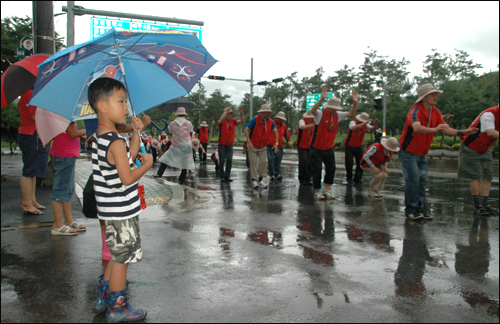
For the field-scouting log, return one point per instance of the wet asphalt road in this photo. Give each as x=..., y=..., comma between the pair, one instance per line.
x=230, y=253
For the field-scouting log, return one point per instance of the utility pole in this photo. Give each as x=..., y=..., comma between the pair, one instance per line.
x=70, y=37
x=43, y=27
x=383, y=129
x=251, y=89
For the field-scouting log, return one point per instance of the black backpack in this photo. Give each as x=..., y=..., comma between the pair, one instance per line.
x=89, y=207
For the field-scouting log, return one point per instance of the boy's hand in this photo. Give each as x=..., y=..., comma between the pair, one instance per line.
x=146, y=120
x=145, y=159
x=137, y=124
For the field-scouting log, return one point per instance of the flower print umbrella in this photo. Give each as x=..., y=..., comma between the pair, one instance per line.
x=20, y=77
x=155, y=66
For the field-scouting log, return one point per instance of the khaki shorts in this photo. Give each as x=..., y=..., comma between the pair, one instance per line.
x=474, y=166
x=124, y=240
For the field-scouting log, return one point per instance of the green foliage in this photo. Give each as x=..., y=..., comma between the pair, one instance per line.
x=13, y=30
x=10, y=125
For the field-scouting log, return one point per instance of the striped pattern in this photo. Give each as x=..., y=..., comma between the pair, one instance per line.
x=115, y=201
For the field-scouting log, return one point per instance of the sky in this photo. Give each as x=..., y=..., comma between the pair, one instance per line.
x=284, y=37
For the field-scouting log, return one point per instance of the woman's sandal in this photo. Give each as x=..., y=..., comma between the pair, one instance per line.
x=76, y=226
x=35, y=212
x=40, y=207
x=65, y=230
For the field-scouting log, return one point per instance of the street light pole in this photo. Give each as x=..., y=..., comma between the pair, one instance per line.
x=251, y=88
x=384, y=132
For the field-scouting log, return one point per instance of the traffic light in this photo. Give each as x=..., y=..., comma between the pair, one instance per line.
x=216, y=77
x=378, y=105
x=263, y=83
x=278, y=80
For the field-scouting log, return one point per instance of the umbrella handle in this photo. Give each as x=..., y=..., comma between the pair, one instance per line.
x=143, y=150
x=158, y=128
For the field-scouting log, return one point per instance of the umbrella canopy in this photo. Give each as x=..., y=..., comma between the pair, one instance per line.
x=155, y=66
x=172, y=105
x=20, y=77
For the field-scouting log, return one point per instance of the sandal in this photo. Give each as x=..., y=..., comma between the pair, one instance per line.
x=65, y=230
x=35, y=212
x=77, y=227
x=40, y=207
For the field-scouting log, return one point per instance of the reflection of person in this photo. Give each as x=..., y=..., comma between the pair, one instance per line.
x=422, y=122
x=353, y=141
x=204, y=137
x=257, y=133
x=473, y=262
x=327, y=123
x=64, y=151
x=375, y=161
x=35, y=155
x=180, y=153
x=411, y=267
x=227, y=128
x=115, y=185
x=475, y=161
x=304, y=137
x=274, y=159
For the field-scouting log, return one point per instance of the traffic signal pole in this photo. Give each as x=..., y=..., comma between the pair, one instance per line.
x=384, y=132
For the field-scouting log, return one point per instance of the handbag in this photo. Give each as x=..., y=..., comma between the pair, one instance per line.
x=89, y=207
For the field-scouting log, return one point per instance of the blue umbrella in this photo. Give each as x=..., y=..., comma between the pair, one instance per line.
x=155, y=66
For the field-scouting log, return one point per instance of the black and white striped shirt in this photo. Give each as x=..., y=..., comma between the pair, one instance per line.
x=115, y=201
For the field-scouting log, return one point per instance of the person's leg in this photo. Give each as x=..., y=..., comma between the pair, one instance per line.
x=229, y=161
x=222, y=160
x=27, y=186
x=27, y=145
x=277, y=162
x=411, y=176
x=200, y=153
x=155, y=154
x=328, y=159
x=254, y=173
x=182, y=176
x=262, y=163
x=348, y=162
x=161, y=170
x=302, y=165
x=423, y=169
x=270, y=161
x=358, y=154
x=316, y=168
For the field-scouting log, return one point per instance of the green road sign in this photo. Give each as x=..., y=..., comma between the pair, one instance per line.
x=313, y=98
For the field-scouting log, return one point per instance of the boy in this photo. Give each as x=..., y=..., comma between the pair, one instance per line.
x=115, y=185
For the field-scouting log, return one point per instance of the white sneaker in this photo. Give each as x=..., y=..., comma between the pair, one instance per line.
x=319, y=196
x=255, y=184
x=262, y=184
x=328, y=195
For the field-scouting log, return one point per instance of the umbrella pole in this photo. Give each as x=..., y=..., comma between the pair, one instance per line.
x=122, y=68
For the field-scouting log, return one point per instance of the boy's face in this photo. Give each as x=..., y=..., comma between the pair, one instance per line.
x=115, y=107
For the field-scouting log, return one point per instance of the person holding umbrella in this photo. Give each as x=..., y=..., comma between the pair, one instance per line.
x=180, y=154
x=204, y=137
x=227, y=128
x=118, y=203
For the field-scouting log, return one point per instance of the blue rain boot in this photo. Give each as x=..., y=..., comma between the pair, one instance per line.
x=119, y=309
x=101, y=302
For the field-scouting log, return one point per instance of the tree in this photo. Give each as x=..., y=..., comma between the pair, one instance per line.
x=462, y=67
x=10, y=125
x=13, y=30
x=437, y=68
x=245, y=103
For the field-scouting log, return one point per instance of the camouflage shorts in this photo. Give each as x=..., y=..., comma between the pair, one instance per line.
x=124, y=240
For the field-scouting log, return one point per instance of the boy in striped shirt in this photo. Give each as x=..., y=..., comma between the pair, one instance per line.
x=118, y=203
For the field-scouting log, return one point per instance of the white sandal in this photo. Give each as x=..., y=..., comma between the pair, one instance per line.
x=76, y=226
x=65, y=230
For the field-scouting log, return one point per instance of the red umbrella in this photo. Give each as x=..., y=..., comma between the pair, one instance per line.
x=20, y=77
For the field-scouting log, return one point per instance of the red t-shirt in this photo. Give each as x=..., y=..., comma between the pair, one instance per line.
x=27, y=126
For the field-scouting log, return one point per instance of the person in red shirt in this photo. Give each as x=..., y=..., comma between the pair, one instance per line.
x=204, y=137
x=274, y=159
x=227, y=127
x=35, y=155
x=422, y=122
x=304, y=137
x=475, y=161
x=327, y=123
x=353, y=141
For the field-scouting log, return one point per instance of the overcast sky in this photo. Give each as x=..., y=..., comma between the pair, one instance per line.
x=283, y=37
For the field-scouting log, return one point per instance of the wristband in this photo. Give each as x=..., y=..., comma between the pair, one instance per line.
x=460, y=132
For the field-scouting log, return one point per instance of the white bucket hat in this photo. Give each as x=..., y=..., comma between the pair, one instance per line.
x=265, y=108
x=333, y=103
x=390, y=144
x=424, y=90
x=204, y=124
x=281, y=115
x=180, y=111
x=363, y=117
x=155, y=143
x=308, y=114
x=379, y=130
x=195, y=143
